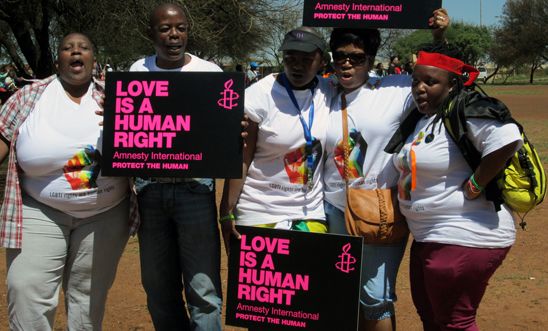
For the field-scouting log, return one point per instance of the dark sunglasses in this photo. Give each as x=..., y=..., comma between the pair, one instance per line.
x=355, y=59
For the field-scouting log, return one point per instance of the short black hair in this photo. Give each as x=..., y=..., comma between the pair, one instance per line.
x=164, y=6
x=367, y=39
x=93, y=45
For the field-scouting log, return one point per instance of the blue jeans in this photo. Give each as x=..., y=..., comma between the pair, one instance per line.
x=179, y=237
x=380, y=264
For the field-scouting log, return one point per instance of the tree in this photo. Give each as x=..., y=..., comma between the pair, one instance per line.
x=389, y=38
x=24, y=29
x=473, y=41
x=219, y=29
x=285, y=22
x=522, y=38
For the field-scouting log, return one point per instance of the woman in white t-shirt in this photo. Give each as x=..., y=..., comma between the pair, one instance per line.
x=61, y=221
x=282, y=186
x=460, y=238
x=375, y=107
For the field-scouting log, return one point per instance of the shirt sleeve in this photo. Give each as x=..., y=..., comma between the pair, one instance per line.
x=488, y=136
x=255, y=100
x=8, y=115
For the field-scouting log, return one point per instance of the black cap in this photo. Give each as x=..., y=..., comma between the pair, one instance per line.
x=304, y=41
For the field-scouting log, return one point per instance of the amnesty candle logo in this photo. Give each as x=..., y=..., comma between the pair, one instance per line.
x=347, y=260
x=229, y=96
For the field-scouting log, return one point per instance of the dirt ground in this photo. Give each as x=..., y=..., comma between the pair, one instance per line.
x=516, y=299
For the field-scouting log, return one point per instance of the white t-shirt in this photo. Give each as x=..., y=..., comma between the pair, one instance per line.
x=195, y=64
x=58, y=151
x=437, y=210
x=374, y=113
x=276, y=186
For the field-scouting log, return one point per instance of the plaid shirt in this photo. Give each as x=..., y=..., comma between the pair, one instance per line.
x=12, y=116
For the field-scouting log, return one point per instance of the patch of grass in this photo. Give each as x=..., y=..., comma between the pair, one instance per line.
x=510, y=90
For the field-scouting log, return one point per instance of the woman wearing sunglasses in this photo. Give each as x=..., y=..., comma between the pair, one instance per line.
x=375, y=108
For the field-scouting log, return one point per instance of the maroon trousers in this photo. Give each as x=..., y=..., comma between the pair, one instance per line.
x=448, y=283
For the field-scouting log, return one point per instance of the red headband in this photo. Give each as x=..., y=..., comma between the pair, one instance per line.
x=448, y=63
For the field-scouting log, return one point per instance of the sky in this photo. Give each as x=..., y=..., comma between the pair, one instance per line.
x=469, y=11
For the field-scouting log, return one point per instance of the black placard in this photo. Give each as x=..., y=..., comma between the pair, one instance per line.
x=173, y=124
x=292, y=280
x=399, y=14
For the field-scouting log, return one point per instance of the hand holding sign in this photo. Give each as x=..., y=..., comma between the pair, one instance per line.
x=439, y=22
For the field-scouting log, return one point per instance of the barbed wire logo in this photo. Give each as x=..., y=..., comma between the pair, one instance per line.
x=347, y=260
x=229, y=96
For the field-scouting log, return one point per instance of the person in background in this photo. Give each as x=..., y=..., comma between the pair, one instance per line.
x=394, y=66
x=379, y=70
x=179, y=241
x=460, y=239
x=62, y=222
x=253, y=74
x=375, y=108
x=408, y=68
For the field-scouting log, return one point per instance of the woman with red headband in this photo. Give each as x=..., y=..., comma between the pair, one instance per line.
x=460, y=239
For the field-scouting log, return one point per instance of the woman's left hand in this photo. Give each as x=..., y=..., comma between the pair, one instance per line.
x=469, y=193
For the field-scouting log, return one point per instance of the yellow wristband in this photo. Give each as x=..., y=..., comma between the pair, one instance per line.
x=229, y=217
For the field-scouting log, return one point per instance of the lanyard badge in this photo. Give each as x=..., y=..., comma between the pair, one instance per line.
x=307, y=128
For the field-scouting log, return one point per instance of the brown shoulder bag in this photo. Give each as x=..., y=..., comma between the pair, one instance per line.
x=371, y=214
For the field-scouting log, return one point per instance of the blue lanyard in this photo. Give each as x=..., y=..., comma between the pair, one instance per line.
x=306, y=128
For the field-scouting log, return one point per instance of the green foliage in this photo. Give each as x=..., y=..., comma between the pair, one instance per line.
x=522, y=38
x=473, y=41
x=406, y=46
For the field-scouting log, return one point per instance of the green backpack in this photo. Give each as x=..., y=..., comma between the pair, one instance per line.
x=522, y=183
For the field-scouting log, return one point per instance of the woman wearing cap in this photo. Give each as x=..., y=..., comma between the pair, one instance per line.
x=459, y=237
x=288, y=112
x=375, y=107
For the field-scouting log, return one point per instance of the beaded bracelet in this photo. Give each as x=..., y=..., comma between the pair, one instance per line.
x=475, y=185
x=229, y=217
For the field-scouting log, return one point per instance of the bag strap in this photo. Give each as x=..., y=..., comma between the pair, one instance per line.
x=346, y=152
